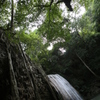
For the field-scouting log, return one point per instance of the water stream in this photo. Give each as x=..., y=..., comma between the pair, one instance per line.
x=64, y=88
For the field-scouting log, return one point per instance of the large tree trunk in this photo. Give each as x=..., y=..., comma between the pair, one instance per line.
x=20, y=79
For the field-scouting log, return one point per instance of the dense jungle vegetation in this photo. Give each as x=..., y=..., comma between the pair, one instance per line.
x=75, y=38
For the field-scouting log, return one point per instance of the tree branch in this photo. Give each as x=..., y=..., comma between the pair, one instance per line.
x=59, y=1
x=42, y=6
x=51, y=3
x=12, y=13
x=45, y=5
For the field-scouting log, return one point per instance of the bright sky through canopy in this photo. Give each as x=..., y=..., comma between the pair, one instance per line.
x=81, y=12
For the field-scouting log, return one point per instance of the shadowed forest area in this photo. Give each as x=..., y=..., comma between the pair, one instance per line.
x=42, y=37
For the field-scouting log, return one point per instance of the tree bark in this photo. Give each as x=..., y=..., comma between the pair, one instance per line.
x=19, y=77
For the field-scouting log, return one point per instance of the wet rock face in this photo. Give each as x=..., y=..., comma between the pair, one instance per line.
x=30, y=82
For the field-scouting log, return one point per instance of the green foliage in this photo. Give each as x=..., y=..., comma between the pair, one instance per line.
x=84, y=40
x=96, y=14
x=85, y=3
x=75, y=35
x=26, y=13
x=31, y=43
x=4, y=13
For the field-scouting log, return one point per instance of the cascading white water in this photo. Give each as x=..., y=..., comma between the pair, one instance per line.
x=63, y=87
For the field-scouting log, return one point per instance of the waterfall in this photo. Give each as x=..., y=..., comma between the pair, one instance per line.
x=63, y=88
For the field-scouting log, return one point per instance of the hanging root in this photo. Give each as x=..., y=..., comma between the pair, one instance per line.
x=13, y=79
x=87, y=66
